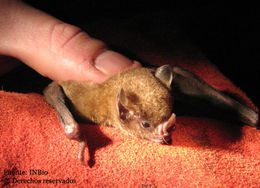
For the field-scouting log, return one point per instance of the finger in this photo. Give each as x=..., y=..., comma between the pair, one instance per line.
x=53, y=48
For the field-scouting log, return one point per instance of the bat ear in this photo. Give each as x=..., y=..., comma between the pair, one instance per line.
x=165, y=75
x=121, y=98
x=122, y=105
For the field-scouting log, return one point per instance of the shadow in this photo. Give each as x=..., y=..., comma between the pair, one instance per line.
x=95, y=140
x=23, y=80
x=219, y=120
x=203, y=124
x=205, y=133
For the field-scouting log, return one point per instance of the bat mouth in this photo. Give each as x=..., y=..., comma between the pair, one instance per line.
x=164, y=129
x=162, y=139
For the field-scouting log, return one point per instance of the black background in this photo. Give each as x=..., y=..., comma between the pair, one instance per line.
x=226, y=33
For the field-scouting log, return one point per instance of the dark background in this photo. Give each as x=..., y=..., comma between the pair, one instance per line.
x=226, y=33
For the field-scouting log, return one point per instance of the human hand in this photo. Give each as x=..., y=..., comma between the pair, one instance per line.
x=53, y=48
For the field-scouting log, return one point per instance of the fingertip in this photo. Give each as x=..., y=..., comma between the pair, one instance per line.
x=111, y=62
x=136, y=64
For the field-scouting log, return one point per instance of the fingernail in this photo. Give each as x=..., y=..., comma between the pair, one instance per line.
x=110, y=62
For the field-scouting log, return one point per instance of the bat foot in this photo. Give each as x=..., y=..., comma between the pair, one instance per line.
x=72, y=131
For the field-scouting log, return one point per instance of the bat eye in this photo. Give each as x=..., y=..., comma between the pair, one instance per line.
x=145, y=124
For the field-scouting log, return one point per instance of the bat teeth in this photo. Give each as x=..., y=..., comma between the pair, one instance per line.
x=160, y=129
x=165, y=127
x=170, y=123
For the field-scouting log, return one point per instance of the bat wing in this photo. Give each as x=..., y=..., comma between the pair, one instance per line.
x=55, y=96
x=193, y=96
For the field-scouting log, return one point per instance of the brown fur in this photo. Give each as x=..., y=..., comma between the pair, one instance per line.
x=98, y=103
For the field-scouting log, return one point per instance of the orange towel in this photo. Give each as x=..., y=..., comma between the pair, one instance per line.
x=203, y=151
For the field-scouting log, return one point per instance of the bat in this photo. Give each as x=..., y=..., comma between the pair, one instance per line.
x=140, y=102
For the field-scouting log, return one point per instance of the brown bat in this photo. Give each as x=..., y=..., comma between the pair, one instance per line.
x=140, y=102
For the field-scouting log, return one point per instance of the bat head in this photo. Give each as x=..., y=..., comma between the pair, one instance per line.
x=144, y=104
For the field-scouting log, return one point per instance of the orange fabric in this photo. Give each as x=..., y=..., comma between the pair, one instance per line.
x=204, y=152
